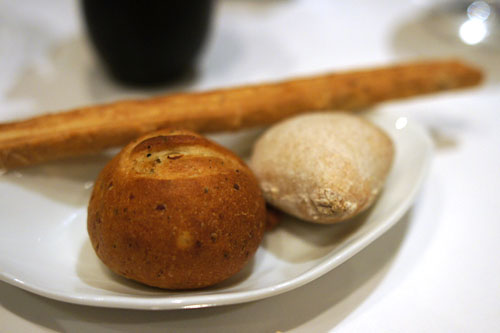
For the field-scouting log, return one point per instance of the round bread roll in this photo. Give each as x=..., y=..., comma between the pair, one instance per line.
x=322, y=167
x=177, y=211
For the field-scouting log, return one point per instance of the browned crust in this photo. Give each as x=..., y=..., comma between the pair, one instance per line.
x=95, y=128
x=168, y=229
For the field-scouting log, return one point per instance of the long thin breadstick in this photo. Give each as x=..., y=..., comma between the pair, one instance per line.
x=95, y=128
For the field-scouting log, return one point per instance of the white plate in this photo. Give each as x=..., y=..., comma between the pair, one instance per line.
x=44, y=246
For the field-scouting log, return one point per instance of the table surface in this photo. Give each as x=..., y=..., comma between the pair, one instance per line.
x=437, y=270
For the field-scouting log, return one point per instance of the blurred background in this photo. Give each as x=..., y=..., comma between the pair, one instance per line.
x=48, y=61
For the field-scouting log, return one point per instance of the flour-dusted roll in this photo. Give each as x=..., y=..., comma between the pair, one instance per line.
x=175, y=210
x=323, y=167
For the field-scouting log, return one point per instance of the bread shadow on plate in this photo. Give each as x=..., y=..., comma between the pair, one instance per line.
x=299, y=241
x=95, y=274
x=67, y=181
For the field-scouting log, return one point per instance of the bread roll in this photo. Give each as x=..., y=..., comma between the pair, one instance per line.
x=174, y=210
x=322, y=167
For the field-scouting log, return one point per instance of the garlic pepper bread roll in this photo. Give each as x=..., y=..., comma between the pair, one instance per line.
x=322, y=167
x=175, y=210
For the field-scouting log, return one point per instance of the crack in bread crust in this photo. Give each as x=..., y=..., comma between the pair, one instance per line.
x=176, y=156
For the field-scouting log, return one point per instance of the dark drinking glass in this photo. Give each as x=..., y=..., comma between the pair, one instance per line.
x=147, y=42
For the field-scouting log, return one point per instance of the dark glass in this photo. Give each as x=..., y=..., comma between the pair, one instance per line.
x=147, y=42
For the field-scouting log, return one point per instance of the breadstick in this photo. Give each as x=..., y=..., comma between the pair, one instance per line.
x=95, y=128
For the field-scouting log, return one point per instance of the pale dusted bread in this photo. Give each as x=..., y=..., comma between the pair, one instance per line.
x=175, y=210
x=322, y=167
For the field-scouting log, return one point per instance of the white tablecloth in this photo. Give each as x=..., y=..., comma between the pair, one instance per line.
x=437, y=270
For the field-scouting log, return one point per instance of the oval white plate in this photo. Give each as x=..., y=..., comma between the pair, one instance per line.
x=44, y=246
